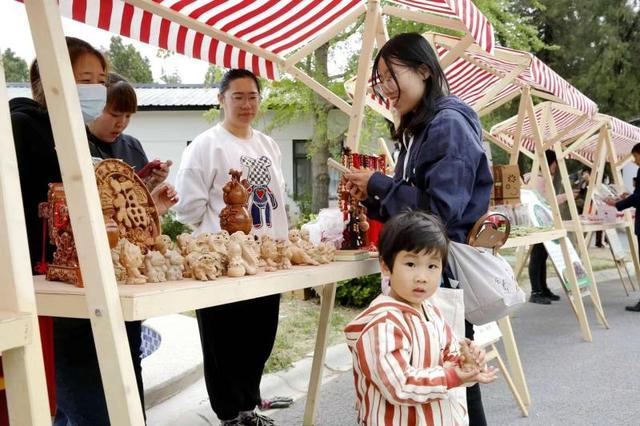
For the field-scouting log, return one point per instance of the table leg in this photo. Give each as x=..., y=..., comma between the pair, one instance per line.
x=326, y=308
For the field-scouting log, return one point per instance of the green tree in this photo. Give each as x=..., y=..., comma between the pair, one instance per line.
x=128, y=62
x=598, y=45
x=213, y=75
x=173, y=78
x=15, y=68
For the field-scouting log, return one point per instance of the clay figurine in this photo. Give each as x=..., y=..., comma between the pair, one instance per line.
x=269, y=253
x=236, y=264
x=163, y=243
x=298, y=255
x=249, y=258
x=131, y=258
x=202, y=266
x=186, y=243
x=120, y=271
x=283, y=258
x=235, y=216
x=175, y=265
x=155, y=267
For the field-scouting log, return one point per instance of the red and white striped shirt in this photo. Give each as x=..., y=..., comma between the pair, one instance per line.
x=399, y=366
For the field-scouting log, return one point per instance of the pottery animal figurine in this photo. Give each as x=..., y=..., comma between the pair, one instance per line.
x=163, y=243
x=283, y=259
x=235, y=216
x=155, y=267
x=235, y=267
x=269, y=253
x=175, y=265
x=120, y=271
x=131, y=258
x=298, y=255
x=202, y=241
x=249, y=258
x=186, y=243
x=202, y=266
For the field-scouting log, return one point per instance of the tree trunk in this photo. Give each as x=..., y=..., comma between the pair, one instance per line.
x=319, y=149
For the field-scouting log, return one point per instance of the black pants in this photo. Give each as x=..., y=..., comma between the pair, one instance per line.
x=236, y=343
x=538, y=269
x=79, y=393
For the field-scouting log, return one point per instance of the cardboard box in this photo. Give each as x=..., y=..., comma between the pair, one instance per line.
x=506, y=183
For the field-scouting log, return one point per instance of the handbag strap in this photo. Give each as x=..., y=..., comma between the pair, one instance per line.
x=485, y=232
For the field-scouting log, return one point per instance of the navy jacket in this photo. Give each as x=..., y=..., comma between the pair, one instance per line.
x=447, y=172
x=632, y=200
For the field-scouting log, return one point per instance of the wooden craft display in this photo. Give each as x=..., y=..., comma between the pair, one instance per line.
x=235, y=216
x=129, y=213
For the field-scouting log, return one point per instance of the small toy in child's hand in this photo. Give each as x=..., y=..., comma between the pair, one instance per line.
x=469, y=362
x=148, y=168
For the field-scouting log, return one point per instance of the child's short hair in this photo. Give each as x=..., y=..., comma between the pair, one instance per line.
x=412, y=231
x=121, y=96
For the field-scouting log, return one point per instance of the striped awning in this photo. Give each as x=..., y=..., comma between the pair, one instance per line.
x=464, y=10
x=623, y=135
x=276, y=27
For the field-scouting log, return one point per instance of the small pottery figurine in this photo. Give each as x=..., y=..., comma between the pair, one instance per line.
x=298, y=254
x=163, y=243
x=284, y=254
x=202, y=266
x=235, y=216
x=120, y=271
x=202, y=241
x=186, y=243
x=175, y=265
x=155, y=267
x=131, y=258
x=249, y=258
x=269, y=253
x=236, y=264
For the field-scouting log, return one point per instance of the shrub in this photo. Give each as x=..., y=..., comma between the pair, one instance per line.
x=358, y=292
x=171, y=227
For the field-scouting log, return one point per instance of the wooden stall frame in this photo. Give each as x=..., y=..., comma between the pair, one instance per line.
x=20, y=347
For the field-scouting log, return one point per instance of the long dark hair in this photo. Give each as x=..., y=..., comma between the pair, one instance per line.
x=413, y=51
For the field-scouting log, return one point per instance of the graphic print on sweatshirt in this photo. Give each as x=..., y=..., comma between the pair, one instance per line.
x=261, y=198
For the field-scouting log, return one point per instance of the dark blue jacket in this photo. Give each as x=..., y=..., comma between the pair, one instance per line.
x=447, y=172
x=632, y=200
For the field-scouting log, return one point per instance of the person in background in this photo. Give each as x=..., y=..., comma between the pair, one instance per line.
x=235, y=356
x=540, y=292
x=405, y=355
x=633, y=200
x=442, y=167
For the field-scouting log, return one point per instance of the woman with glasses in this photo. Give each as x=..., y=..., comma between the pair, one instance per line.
x=442, y=167
x=236, y=338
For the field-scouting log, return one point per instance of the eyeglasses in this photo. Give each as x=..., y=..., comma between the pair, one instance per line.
x=388, y=84
x=239, y=100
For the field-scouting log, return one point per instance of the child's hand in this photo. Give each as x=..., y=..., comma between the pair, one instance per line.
x=476, y=375
x=486, y=376
x=477, y=352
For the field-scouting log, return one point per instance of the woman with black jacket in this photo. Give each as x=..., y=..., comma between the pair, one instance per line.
x=442, y=167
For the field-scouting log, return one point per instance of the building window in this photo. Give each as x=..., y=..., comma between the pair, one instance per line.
x=301, y=170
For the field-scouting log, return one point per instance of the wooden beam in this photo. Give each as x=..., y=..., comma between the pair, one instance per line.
x=336, y=28
x=359, y=96
x=320, y=89
x=193, y=24
x=382, y=35
x=517, y=138
x=456, y=51
x=114, y=355
x=493, y=106
x=23, y=366
x=582, y=139
x=497, y=88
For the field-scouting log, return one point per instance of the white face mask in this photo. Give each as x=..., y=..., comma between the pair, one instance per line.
x=93, y=98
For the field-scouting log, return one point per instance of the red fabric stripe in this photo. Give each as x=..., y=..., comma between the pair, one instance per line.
x=283, y=24
x=145, y=27
x=197, y=45
x=226, y=12
x=327, y=22
x=163, y=38
x=213, y=49
x=79, y=10
x=289, y=5
x=271, y=74
x=226, y=60
x=303, y=24
x=388, y=413
x=205, y=8
x=182, y=38
x=104, y=18
x=242, y=59
x=255, y=64
x=252, y=14
x=127, y=17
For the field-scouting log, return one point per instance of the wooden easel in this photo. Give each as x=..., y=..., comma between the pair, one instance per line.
x=20, y=345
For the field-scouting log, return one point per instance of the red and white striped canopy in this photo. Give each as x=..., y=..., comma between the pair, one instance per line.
x=476, y=23
x=623, y=135
x=278, y=27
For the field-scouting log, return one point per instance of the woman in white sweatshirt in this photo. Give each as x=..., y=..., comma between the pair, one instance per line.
x=236, y=338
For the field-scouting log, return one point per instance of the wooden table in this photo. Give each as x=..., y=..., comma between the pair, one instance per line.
x=148, y=300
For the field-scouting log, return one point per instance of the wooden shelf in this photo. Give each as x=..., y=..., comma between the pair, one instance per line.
x=15, y=330
x=593, y=227
x=150, y=300
x=535, y=238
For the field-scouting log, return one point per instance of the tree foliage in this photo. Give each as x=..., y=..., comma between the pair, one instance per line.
x=15, y=68
x=128, y=62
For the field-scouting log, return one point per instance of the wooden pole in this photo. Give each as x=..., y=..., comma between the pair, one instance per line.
x=85, y=211
x=23, y=366
x=368, y=41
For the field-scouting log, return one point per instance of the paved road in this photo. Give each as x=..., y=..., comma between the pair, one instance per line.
x=571, y=382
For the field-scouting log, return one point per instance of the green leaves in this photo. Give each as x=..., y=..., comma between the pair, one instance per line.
x=15, y=68
x=128, y=62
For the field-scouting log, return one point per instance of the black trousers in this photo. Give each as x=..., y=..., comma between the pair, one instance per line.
x=79, y=394
x=237, y=340
x=538, y=268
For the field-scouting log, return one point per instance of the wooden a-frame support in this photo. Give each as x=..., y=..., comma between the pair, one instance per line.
x=20, y=345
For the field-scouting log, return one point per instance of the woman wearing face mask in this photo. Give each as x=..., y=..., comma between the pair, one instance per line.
x=234, y=356
x=79, y=395
x=442, y=167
